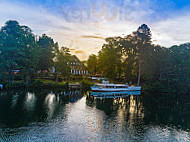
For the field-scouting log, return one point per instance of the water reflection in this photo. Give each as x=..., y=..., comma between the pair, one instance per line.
x=126, y=106
x=50, y=102
x=102, y=95
x=30, y=101
x=14, y=100
x=74, y=95
x=70, y=116
x=125, y=113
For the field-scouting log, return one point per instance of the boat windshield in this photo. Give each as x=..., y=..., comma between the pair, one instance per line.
x=110, y=86
x=121, y=86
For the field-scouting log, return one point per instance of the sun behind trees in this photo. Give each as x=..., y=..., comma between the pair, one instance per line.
x=134, y=57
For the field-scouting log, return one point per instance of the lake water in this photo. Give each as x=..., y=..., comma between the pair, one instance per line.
x=39, y=115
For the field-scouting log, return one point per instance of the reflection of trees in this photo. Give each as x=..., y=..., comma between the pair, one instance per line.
x=167, y=109
x=90, y=101
x=130, y=107
x=107, y=105
x=122, y=114
x=12, y=113
x=20, y=108
x=130, y=104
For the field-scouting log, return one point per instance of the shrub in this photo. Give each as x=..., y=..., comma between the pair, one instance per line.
x=60, y=79
x=17, y=77
x=37, y=83
x=86, y=84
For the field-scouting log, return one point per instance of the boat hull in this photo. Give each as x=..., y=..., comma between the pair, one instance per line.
x=99, y=89
x=114, y=94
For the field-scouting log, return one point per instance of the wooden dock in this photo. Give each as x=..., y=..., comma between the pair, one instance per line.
x=75, y=86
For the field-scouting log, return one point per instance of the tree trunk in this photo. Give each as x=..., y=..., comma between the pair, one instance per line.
x=56, y=78
x=12, y=78
x=139, y=74
x=12, y=82
x=43, y=75
x=27, y=78
x=9, y=78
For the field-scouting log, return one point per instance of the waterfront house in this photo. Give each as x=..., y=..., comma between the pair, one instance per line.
x=77, y=67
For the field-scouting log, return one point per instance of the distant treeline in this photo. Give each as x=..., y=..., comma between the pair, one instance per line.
x=23, y=52
x=134, y=58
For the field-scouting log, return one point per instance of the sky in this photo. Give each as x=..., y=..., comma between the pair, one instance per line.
x=82, y=25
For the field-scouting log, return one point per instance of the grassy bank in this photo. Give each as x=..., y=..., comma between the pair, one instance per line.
x=49, y=84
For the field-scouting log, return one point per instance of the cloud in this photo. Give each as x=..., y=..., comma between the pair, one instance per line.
x=96, y=48
x=172, y=31
x=169, y=26
x=72, y=49
x=91, y=36
x=79, y=52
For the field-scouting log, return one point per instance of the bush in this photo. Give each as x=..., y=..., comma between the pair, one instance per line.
x=86, y=84
x=17, y=77
x=47, y=74
x=37, y=83
x=60, y=79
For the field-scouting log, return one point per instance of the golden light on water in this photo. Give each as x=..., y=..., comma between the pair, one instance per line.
x=30, y=101
x=50, y=103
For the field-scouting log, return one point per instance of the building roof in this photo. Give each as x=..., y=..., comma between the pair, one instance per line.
x=75, y=59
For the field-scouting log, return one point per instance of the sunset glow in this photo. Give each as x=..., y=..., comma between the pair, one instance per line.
x=83, y=25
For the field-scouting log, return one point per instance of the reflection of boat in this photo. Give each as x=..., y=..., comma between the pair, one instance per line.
x=1, y=86
x=102, y=87
x=114, y=94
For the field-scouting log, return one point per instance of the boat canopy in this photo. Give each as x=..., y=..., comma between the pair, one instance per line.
x=110, y=84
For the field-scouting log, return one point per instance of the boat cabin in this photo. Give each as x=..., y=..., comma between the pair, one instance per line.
x=111, y=85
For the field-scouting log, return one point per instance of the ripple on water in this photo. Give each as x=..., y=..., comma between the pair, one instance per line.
x=102, y=120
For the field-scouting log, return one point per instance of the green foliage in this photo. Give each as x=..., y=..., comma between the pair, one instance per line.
x=60, y=79
x=86, y=84
x=176, y=69
x=92, y=64
x=20, y=50
x=37, y=83
x=46, y=55
x=109, y=59
x=61, y=60
x=17, y=77
x=134, y=57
